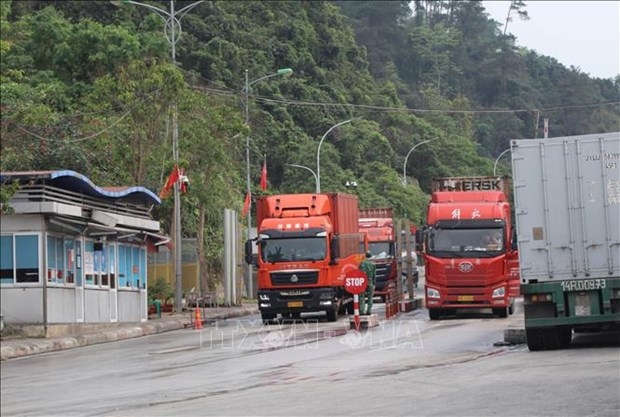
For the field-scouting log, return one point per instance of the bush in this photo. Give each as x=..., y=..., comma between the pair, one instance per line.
x=161, y=289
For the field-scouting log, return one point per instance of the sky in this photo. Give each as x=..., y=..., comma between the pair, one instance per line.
x=583, y=34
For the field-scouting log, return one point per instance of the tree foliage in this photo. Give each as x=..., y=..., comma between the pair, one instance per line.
x=90, y=86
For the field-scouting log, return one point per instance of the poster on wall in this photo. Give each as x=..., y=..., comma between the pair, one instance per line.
x=89, y=263
x=97, y=262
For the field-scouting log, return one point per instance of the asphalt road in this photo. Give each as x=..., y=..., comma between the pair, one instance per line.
x=406, y=366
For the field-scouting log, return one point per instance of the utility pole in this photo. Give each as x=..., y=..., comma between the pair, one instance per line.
x=172, y=32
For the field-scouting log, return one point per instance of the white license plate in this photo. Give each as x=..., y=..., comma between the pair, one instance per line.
x=584, y=285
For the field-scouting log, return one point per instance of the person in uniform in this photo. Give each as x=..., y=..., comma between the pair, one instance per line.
x=370, y=270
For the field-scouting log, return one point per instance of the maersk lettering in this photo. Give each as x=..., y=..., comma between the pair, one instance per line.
x=472, y=185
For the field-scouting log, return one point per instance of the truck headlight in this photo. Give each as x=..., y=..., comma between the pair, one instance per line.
x=432, y=293
x=499, y=292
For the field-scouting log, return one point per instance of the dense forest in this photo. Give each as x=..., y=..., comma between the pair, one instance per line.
x=91, y=86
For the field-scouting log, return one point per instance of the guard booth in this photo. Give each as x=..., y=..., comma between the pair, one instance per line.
x=72, y=252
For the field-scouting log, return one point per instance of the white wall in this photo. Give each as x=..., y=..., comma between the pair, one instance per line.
x=22, y=305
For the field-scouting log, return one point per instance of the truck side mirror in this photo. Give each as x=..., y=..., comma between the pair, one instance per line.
x=334, y=250
x=419, y=240
x=248, y=251
x=419, y=237
x=514, y=241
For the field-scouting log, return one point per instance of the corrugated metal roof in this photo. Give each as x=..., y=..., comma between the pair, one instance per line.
x=76, y=182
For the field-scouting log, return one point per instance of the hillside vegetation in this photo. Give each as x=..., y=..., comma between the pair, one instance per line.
x=89, y=86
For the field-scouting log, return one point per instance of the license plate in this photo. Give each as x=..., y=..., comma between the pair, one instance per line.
x=295, y=304
x=465, y=298
x=584, y=285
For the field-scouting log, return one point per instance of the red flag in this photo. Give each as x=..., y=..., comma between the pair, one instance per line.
x=263, y=176
x=173, y=178
x=246, y=205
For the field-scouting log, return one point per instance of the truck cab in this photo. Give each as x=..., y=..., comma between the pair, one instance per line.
x=378, y=226
x=306, y=244
x=469, y=258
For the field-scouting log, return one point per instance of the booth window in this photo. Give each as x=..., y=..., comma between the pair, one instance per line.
x=60, y=260
x=19, y=259
x=131, y=267
x=96, y=264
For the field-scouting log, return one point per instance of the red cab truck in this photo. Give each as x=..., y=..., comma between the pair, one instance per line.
x=306, y=245
x=378, y=225
x=463, y=270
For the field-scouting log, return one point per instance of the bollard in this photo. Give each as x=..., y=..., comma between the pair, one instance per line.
x=157, y=305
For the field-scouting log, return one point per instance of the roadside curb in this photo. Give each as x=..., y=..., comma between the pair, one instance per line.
x=10, y=349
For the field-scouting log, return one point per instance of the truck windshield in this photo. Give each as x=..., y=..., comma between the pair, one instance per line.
x=294, y=249
x=482, y=242
x=381, y=250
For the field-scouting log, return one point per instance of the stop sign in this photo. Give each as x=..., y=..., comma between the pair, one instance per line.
x=355, y=281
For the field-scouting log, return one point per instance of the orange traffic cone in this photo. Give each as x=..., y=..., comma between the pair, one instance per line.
x=197, y=319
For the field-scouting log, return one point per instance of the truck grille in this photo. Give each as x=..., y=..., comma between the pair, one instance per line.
x=294, y=278
x=382, y=272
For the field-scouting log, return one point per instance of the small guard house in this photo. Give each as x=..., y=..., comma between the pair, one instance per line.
x=72, y=252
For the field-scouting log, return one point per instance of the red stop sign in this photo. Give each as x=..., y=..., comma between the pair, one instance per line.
x=355, y=281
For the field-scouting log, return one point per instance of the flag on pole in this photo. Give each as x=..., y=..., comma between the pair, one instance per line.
x=183, y=181
x=246, y=205
x=172, y=179
x=263, y=175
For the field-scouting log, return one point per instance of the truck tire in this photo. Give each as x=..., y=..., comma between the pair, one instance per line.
x=350, y=309
x=267, y=318
x=332, y=314
x=548, y=338
x=511, y=309
x=565, y=336
x=434, y=314
x=501, y=312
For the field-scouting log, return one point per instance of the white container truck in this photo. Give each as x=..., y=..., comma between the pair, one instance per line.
x=567, y=209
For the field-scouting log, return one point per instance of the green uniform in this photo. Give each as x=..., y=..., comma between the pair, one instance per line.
x=369, y=269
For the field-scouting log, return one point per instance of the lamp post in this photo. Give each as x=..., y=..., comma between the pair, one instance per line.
x=172, y=32
x=246, y=93
x=407, y=157
x=316, y=180
x=318, y=152
x=497, y=160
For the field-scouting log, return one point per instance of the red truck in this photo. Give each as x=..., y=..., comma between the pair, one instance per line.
x=306, y=244
x=378, y=225
x=463, y=268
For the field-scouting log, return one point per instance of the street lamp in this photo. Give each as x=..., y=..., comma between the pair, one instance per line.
x=246, y=92
x=172, y=31
x=497, y=160
x=316, y=179
x=318, y=152
x=407, y=157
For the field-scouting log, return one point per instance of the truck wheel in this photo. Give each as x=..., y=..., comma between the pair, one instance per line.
x=332, y=314
x=511, y=309
x=267, y=318
x=350, y=309
x=548, y=338
x=501, y=312
x=535, y=340
x=564, y=335
x=434, y=314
